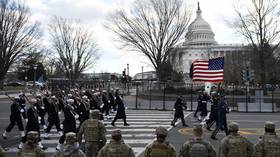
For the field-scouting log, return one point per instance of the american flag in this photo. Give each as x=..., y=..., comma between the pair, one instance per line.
x=211, y=70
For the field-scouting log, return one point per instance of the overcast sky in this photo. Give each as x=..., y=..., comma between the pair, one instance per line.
x=93, y=13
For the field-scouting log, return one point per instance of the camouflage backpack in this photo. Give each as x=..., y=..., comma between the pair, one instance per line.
x=159, y=149
x=30, y=152
x=114, y=150
x=198, y=149
x=92, y=130
x=271, y=146
x=237, y=146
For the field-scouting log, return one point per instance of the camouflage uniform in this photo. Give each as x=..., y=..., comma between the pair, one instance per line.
x=269, y=143
x=116, y=148
x=30, y=148
x=95, y=134
x=2, y=152
x=235, y=145
x=160, y=147
x=69, y=149
x=197, y=147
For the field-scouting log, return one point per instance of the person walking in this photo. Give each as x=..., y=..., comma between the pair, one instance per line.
x=179, y=111
x=15, y=118
x=94, y=133
x=222, y=118
x=120, y=111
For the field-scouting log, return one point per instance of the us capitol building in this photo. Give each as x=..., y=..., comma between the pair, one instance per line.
x=200, y=44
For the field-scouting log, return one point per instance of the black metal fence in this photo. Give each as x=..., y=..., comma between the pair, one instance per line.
x=162, y=96
x=154, y=95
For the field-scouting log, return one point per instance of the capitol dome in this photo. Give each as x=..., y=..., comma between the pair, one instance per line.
x=199, y=32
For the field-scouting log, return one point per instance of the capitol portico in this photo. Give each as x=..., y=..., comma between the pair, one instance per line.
x=200, y=44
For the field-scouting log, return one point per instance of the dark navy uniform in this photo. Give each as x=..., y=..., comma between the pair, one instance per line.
x=120, y=111
x=222, y=118
x=15, y=117
x=69, y=123
x=52, y=109
x=214, y=112
x=83, y=112
x=179, y=113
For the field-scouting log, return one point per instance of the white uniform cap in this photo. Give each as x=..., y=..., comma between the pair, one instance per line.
x=93, y=90
x=70, y=100
x=85, y=97
x=83, y=91
x=33, y=100
x=69, y=95
x=17, y=97
x=38, y=95
x=53, y=97
x=104, y=91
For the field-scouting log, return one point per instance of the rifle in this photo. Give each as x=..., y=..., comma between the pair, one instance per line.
x=14, y=101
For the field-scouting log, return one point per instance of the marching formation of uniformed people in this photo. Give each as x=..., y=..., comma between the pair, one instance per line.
x=83, y=121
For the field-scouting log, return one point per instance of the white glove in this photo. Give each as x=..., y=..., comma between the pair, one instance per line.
x=59, y=113
x=101, y=105
x=43, y=108
x=76, y=116
x=21, y=110
x=174, y=109
x=109, y=101
x=26, y=120
x=39, y=118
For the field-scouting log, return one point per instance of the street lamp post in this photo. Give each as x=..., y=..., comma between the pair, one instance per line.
x=34, y=80
x=128, y=79
x=142, y=78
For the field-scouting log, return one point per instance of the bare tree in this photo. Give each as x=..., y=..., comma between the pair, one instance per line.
x=74, y=44
x=258, y=22
x=17, y=34
x=152, y=28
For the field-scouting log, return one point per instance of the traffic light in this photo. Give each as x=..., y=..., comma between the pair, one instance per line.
x=247, y=74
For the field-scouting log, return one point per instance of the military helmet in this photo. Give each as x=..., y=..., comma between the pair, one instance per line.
x=70, y=138
x=116, y=132
x=94, y=114
x=32, y=136
x=233, y=126
x=269, y=125
x=161, y=131
x=197, y=128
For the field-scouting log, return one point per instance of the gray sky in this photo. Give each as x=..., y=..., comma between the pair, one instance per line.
x=93, y=13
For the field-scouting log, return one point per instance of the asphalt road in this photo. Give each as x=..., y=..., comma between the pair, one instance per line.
x=251, y=126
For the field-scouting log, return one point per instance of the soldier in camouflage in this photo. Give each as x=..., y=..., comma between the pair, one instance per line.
x=116, y=147
x=235, y=145
x=160, y=147
x=269, y=143
x=94, y=133
x=2, y=152
x=71, y=148
x=197, y=147
x=30, y=148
